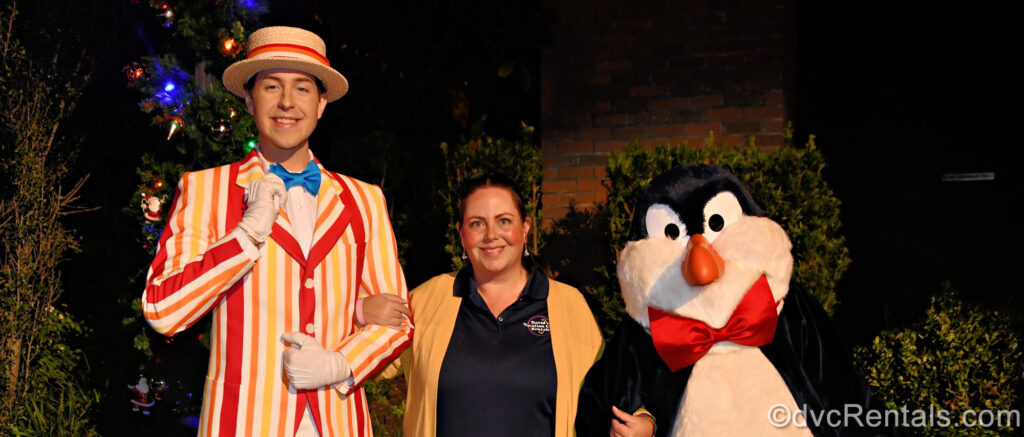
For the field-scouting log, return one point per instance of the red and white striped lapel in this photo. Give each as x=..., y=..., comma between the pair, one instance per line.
x=282, y=232
x=333, y=214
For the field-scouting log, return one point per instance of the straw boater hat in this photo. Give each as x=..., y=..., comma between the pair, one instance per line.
x=285, y=47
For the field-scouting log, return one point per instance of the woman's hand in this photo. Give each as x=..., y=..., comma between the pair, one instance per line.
x=385, y=309
x=629, y=425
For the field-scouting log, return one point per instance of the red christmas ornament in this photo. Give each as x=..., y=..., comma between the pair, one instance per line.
x=134, y=73
x=229, y=47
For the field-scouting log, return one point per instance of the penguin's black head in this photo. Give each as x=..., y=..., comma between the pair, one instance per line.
x=697, y=243
x=687, y=189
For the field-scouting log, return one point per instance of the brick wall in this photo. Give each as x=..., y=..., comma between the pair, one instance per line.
x=657, y=71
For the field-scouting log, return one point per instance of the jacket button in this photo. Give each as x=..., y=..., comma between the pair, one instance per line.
x=309, y=283
x=310, y=329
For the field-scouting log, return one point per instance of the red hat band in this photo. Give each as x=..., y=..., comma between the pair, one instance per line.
x=287, y=51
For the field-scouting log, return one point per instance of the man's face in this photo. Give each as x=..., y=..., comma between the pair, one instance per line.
x=286, y=106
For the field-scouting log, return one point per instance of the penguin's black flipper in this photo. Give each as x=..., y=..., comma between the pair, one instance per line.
x=629, y=375
x=817, y=366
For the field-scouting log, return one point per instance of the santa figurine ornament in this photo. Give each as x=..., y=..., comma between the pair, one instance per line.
x=151, y=206
x=719, y=342
x=142, y=398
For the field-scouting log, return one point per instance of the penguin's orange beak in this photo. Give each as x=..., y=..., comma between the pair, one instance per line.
x=702, y=264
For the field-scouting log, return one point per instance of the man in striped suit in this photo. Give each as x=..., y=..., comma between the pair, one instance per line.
x=280, y=249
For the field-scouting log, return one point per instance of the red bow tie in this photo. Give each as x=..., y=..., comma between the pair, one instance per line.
x=681, y=341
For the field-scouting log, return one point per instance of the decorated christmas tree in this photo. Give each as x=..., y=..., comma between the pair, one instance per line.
x=206, y=125
x=178, y=84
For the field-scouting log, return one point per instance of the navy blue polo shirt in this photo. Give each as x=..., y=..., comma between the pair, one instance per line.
x=498, y=375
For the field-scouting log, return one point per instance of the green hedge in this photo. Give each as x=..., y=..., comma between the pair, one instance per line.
x=786, y=182
x=960, y=357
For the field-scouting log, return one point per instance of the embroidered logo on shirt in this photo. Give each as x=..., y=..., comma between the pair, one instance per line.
x=538, y=325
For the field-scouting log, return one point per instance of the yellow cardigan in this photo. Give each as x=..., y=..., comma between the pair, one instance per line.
x=575, y=341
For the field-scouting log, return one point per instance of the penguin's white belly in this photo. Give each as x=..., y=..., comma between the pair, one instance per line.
x=730, y=393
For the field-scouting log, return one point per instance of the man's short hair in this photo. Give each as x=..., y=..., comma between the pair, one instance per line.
x=249, y=84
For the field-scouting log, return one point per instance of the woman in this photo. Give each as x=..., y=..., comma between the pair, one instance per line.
x=499, y=348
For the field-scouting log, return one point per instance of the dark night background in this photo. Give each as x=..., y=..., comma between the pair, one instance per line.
x=895, y=96
x=898, y=96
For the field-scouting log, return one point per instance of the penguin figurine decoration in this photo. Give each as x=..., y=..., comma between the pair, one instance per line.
x=719, y=342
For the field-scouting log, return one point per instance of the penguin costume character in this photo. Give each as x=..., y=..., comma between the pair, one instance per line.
x=721, y=342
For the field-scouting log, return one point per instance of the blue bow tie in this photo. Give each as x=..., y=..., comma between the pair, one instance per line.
x=309, y=178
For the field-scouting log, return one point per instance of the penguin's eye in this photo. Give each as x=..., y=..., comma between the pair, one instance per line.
x=716, y=223
x=721, y=211
x=663, y=222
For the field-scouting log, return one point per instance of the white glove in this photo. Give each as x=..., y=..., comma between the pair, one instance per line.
x=266, y=196
x=308, y=365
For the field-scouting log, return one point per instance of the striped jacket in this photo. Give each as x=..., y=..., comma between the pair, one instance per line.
x=201, y=266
